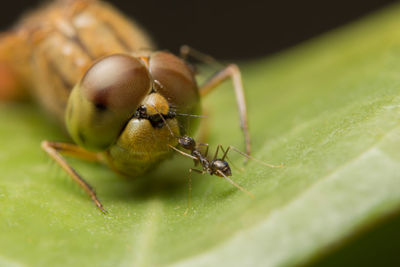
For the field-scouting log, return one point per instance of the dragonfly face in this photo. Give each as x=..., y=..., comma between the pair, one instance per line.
x=116, y=105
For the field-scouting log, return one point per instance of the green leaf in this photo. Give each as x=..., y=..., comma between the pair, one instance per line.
x=329, y=109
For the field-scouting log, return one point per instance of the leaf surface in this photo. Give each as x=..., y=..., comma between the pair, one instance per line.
x=328, y=109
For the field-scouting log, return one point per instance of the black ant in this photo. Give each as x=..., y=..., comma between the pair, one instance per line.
x=216, y=166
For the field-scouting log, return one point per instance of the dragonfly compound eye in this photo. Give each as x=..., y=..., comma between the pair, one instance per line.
x=175, y=81
x=106, y=97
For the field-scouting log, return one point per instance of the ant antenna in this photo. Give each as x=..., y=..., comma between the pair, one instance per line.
x=235, y=184
x=189, y=115
x=179, y=114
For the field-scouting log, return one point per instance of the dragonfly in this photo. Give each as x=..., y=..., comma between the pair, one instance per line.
x=122, y=101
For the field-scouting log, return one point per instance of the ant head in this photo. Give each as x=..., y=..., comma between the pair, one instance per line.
x=222, y=166
x=187, y=142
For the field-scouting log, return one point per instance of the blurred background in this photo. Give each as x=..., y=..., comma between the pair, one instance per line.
x=230, y=29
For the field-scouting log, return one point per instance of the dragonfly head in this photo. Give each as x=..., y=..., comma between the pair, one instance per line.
x=117, y=105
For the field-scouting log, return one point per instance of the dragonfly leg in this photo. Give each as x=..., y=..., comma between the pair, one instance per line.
x=203, y=133
x=55, y=151
x=186, y=51
x=232, y=72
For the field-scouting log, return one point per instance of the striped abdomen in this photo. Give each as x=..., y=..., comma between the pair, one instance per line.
x=61, y=41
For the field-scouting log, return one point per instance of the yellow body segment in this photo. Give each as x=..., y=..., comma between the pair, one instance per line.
x=130, y=157
x=54, y=46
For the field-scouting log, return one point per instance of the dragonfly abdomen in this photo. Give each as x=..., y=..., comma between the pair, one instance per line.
x=62, y=40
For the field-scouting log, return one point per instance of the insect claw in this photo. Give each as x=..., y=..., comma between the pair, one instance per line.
x=102, y=209
x=277, y=166
x=186, y=212
x=99, y=205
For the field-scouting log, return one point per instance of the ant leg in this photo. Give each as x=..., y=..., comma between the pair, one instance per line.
x=216, y=153
x=206, y=145
x=251, y=158
x=225, y=152
x=55, y=149
x=231, y=71
x=235, y=184
x=189, y=192
x=228, y=159
x=190, y=189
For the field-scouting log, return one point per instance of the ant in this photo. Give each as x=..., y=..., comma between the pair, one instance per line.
x=216, y=166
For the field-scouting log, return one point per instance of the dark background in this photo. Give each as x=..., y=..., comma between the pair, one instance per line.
x=229, y=29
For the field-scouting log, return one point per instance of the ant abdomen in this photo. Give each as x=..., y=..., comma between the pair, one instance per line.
x=219, y=166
